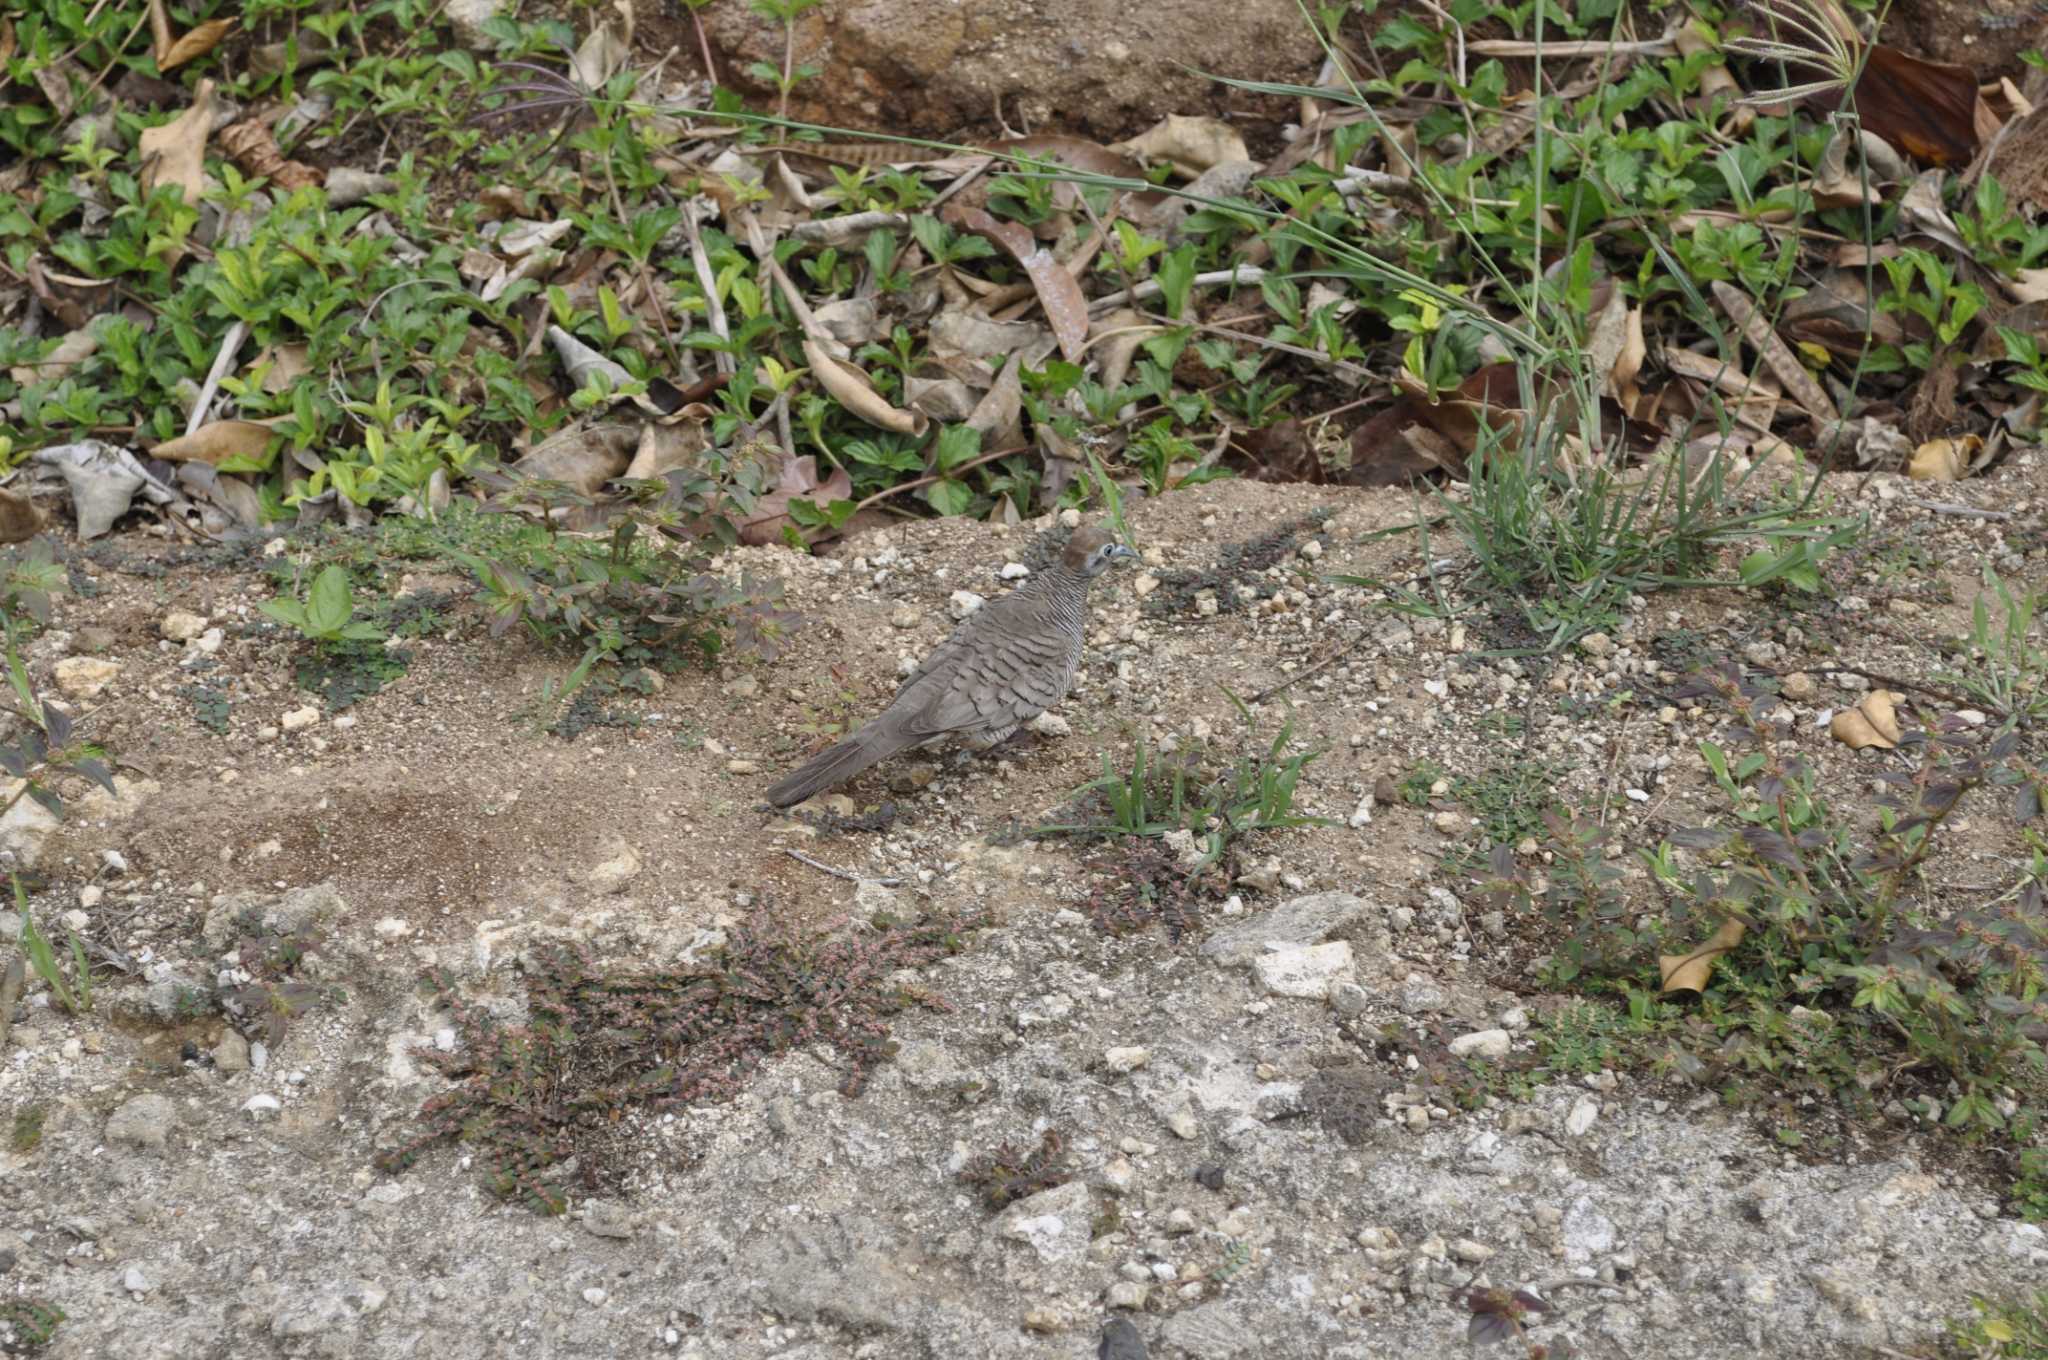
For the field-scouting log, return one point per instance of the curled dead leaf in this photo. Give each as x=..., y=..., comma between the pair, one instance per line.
x=851, y=389
x=1873, y=722
x=1944, y=460
x=175, y=153
x=1691, y=972
x=243, y=441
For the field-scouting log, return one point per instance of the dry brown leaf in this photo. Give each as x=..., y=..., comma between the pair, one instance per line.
x=175, y=153
x=1691, y=972
x=282, y=365
x=1776, y=353
x=1066, y=306
x=19, y=518
x=1193, y=144
x=197, y=43
x=851, y=389
x=1874, y=722
x=1944, y=460
x=255, y=149
x=73, y=350
x=798, y=481
x=217, y=442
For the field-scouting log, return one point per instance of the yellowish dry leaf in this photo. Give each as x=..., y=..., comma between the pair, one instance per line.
x=217, y=442
x=1872, y=723
x=851, y=389
x=196, y=43
x=176, y=152
x=1690, y=972
x=1943, y=460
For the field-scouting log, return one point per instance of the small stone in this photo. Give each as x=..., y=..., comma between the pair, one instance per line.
x=1799, y=687
x=1014, y=571
x=135, y=1282
x=392, y=928
x=231, y=1054
x=1596, y=644
x=594, y=1296
x=1183, y=1125
x=1470, y=1252
x=1420, y=996
x=1348, y=998
x=617, y=869
x=1129, y=1294
x=300, y=718
x=181, y=625
x=1485, y=1043
x=143, y=1122
x=905, y=616
x=1311, y=549
x=1126, y=1059
x=261, y=1104
x=1145, y=584
x=961, y=603
x=1580, y=1119
x=1205, y=604
x=210, y=641
x=743, y=767
x=602, y=1218
x=90, y=896
x=1448, y=823
x=83, y=677
x=743, y=686
x=1305, y=972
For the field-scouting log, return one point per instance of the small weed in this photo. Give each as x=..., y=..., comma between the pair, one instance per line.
x=632, y=597
x=327, y=614
x=73, y=994
x=1142, y=883
x=539, y=1100
x=2006, y=665
x=1193, y=797
x=211, y=706
x=2017, y=1329
x=27, y=1325
x=1011, y=1173
x=1237, y=565
x=270, y=990
x=28, y=1129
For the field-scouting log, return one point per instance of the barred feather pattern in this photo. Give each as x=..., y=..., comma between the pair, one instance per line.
x=1007, y=662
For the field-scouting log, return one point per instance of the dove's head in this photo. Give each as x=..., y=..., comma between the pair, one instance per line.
x=1091, y=550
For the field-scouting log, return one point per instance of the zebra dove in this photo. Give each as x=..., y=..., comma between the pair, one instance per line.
x=1008, y=662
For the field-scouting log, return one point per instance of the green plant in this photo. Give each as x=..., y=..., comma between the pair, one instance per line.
x=47, y=744
x=325, y=615
x=1827, y=965
x=2004, y=664
x=2016, y=1328
x=624, y=598
x=1214, y=802
x=74, y=995
x=27, y=1325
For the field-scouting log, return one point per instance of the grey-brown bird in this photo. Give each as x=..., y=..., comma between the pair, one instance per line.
x=1008, y=662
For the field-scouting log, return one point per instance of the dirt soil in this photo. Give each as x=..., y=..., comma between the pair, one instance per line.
x=1252, y=1171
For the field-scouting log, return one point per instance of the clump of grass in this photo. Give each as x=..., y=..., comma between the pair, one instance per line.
x=2005, y=665
x=539, y=1100
x=1211, y=801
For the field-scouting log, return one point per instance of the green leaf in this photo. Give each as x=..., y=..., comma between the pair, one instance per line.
x=328, y=606
x=950, y=497
x=290, y=613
